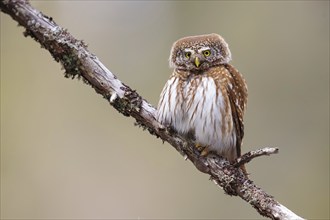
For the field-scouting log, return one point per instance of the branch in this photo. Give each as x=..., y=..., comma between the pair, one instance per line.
x=79, y=62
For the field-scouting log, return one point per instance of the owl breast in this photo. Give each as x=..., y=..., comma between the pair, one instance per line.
x=199, y=105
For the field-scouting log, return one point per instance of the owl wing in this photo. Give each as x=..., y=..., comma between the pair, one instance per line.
x=237, y=93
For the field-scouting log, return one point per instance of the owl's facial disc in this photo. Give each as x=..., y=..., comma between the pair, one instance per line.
x=197, y=59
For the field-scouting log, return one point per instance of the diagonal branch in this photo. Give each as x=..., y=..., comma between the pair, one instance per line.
x=79, y=62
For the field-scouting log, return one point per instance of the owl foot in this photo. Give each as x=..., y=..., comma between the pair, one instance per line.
x=204, y=150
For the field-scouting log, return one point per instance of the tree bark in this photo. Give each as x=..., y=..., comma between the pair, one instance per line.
x=78, y=62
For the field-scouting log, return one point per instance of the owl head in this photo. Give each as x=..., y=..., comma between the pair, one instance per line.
x=200, y=52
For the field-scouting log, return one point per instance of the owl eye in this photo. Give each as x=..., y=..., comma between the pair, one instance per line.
x=206, y=53
x=187, y=54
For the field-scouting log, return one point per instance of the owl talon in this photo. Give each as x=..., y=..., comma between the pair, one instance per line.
x=204, y=150
x=199, y=147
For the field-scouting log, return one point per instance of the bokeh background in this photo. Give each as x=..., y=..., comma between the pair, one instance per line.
x=65, y=153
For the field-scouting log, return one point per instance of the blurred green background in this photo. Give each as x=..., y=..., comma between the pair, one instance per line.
x=65, y=153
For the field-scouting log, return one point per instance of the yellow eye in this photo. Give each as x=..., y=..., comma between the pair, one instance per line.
x=206, y=53
x=187, y=54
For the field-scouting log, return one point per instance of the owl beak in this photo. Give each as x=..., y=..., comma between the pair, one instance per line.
x=197, y=62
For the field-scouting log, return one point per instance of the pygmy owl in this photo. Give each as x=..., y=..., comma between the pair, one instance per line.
x=205, y=97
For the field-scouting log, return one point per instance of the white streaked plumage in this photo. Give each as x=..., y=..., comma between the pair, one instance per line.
x=190, y=113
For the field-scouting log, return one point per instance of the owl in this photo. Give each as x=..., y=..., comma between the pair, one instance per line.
x=205, y=97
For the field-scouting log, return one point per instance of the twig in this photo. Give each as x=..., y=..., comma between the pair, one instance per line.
x=79, y=62
x=247, y=157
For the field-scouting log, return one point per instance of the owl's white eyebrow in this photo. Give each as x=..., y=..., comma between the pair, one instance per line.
x=203, y=48
x=189, y=50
